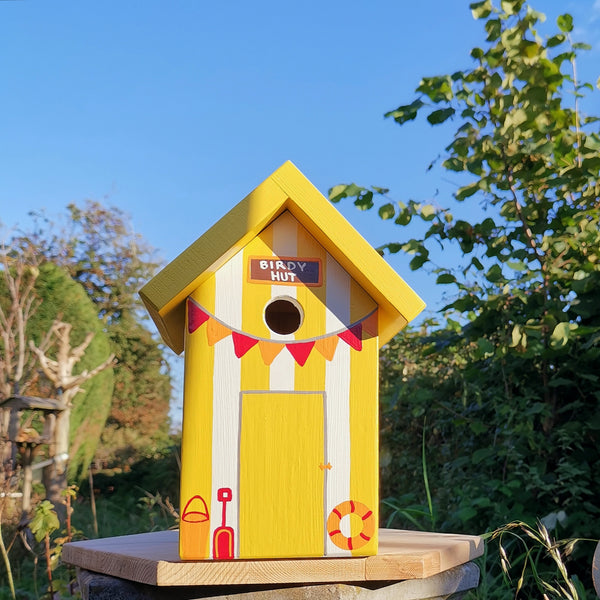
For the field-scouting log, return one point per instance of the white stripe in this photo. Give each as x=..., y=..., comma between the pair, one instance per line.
x=337, y=389
x=226, y=396
x=285, y=243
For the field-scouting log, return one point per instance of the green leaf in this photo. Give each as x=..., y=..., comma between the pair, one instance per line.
x=561, y=382
x=478, y=427
x=45, y=520
x=418, y=261
x=467, y=191
x=438, y=89
x=428, y=212
x=517, y=335
x=344, y=190
x=485, y=348
x=454, y=164
x=477, y=263
x=556, y=40
x=404, y=215
x=592, y=142
x=511, y=7
x=364, y=200
x=441, y=115
x=337, y=192
x=445, y=278
x=481, y=10
x=387, y=211
x=529, y=49
x=407, y=112
x=517, y=265
x=560, y=336
x=481, y=454
x=494, y=274
x=494, y=29
x=565, y=23
x=515, y=118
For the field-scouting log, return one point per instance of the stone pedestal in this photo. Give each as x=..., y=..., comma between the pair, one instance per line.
x=410, y=565
x=451, y=584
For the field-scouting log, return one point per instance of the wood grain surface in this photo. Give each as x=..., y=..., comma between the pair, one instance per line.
x=153, y=558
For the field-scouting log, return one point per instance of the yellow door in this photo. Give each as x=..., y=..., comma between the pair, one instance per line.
x=282, y=450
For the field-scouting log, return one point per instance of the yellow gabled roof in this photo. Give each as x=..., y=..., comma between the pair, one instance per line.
x=286, y=189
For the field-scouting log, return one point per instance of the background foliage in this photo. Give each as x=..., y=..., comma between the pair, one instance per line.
x=66, y=299
x=96, y=246
x=504, y=384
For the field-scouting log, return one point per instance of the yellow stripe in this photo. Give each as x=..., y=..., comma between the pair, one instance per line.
x=364, y=433
x=196, y=446
x=255, y=374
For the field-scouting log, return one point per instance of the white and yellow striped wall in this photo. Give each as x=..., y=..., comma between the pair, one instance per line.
x=280, y=431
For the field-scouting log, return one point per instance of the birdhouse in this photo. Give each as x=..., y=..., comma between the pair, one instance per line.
x=281, y=308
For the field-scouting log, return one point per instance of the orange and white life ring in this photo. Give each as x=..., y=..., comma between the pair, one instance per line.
x=350, y=507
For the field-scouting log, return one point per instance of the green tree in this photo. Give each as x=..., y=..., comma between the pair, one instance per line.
x=19, y=268
x=138, y=424
x=63, y=298
x=507, y=379
x=99, y=249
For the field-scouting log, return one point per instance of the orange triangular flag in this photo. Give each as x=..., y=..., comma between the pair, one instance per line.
x=370, y=325
x=216, y=331
x=326, y=346
x=269, y=350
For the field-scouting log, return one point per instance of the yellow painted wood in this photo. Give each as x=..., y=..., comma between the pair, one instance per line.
x=274, y=434
x=286, y=189
x=270, y=448
x=364, y=434
x=196, y=444
x=281, y=484
x=152, y=558
x=398, y=302
x=361, y=303
x=255, y=373
x=164, y=295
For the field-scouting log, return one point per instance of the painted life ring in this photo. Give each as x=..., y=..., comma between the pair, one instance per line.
x=350, y=507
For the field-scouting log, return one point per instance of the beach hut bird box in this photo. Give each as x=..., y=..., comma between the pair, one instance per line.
x=281, y=308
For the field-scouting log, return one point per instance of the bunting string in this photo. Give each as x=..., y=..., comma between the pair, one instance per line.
x=269, y=349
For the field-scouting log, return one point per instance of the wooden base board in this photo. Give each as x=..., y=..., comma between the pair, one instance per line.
x=153, y=558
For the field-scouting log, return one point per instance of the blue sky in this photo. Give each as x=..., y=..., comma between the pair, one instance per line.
x=174, y=111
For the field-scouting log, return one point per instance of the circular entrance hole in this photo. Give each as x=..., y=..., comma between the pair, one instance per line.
x=283, y=315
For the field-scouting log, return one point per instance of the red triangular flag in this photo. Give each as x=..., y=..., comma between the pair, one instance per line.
x=196, y=316
x=242, y=343
x=353, y=336
x=300, y=351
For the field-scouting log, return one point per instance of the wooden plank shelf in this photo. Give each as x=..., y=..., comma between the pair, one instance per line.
x=152, y=558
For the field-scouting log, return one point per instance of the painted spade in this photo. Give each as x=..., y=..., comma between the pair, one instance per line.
x=223, y=537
